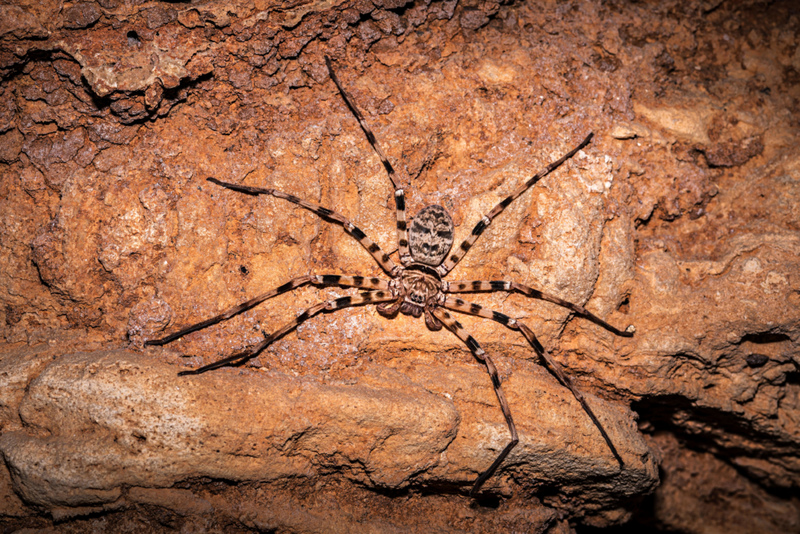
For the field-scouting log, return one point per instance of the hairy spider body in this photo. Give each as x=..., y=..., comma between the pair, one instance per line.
x=419, y=290
x=417, y=286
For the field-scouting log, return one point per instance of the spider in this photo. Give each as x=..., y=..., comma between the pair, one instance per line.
x=416, y=287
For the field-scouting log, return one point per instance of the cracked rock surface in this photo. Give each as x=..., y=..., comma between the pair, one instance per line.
x=681, y=218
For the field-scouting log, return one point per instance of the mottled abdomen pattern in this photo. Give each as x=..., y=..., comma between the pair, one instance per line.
x=430, y=236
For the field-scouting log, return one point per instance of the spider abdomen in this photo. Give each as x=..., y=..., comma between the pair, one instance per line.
x=430, y=236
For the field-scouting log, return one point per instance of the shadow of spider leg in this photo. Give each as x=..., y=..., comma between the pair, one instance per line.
x=454, y=326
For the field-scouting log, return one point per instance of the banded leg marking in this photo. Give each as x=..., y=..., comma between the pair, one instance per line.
x=402, y=228
x=399, y=195
x=477, y=286
x=553, y=366
x=454, y=326
x=487, y=219
x=319, y=280
x=367, y=297
x=375, y=251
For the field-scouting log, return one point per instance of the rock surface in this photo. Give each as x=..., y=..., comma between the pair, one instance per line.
x=681, y=218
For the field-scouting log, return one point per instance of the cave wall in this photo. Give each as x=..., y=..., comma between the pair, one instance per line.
x=679, y=218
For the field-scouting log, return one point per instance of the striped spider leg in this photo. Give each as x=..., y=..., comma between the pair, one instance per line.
x=365, y=297
x=482, y=286
x=318, y=280
x=399, y=195
x=487, y=219
x=379, y=289
x=375, y=251
x=416, y=287
x=382, y=287
x=421, y=290
x=455, y=327
x=460, y=305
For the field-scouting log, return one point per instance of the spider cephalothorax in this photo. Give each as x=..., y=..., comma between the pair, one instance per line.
x=417, y=286
x=418, y=290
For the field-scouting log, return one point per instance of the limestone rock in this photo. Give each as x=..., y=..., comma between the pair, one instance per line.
x=680, y=218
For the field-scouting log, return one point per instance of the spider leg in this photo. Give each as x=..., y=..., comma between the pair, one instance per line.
x=317, y=280
x=553, y=366
x=367, y=297
x=476, y=286
x=456, y=256
x=381, y=257
x=454, y=326
x=399, y=195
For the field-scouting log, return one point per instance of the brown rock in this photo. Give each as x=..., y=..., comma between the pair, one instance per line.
x=81, y=15
x=680, y=218
x=94, y=423
x=10, y=145
x=20, y=22
x=696, y=482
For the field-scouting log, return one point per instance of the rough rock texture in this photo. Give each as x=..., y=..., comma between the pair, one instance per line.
x=681, y=218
